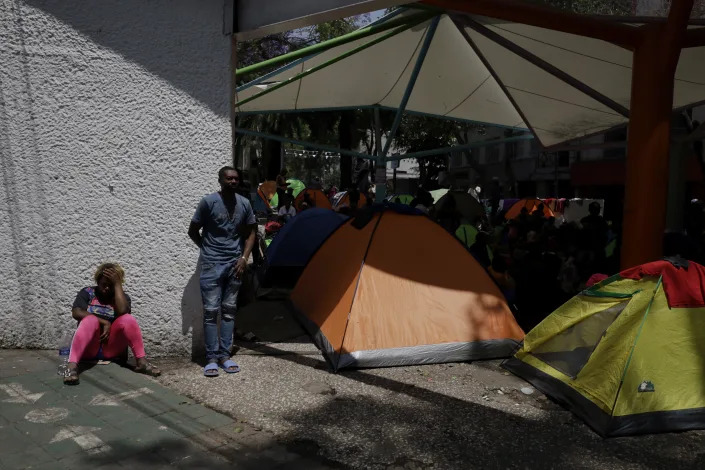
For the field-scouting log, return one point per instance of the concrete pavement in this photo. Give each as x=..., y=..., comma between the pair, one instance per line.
x=116, y=418
x=287, y=410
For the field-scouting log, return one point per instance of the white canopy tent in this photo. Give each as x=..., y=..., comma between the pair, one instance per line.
x=561, y=86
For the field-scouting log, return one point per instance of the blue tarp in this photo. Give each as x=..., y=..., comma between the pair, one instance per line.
x=299, y=239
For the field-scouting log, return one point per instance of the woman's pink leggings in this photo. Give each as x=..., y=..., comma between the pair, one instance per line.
x=123, y=332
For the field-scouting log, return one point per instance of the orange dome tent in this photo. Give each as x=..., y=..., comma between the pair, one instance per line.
x=404, y=291
x=266, y=191
x=316, y=195
x=342, y=199
x=531, y=206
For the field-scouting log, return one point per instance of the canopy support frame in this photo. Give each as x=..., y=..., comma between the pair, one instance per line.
x=648, y=140
x=543, y=65
x=454, y=148
x=410, y=84
x=494, y=74
x=345, y=55
x=540, y=16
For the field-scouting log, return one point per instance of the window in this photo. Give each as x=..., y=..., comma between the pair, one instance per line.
x=510, y=150
x=570, y=350
x=493, y=154
x=616, y=135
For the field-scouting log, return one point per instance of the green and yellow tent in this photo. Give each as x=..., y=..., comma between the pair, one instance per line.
x=467, y=234
x=296, y=185
x=403, y=198
x=628, y=354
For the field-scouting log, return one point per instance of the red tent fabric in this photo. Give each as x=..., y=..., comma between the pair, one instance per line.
x=684, y=286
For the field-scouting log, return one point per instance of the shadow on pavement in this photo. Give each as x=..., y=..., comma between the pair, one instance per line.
x=464, y=434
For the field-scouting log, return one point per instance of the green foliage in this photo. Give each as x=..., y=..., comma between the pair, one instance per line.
x=332, y=29
x=318, y=127
x=593, y=7
x=418, y=133
x=307, y=168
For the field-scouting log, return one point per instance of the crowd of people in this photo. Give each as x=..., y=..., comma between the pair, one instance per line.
x=538, y=265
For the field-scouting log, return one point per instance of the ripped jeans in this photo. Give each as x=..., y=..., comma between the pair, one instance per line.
x=219, y=290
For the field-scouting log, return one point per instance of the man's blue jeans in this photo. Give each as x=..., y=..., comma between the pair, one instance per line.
x=219, y=290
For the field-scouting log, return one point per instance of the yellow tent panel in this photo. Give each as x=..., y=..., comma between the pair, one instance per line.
x=627, y=355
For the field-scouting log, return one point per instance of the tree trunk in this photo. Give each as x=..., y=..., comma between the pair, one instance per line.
x=347, y=119
x=272, y=153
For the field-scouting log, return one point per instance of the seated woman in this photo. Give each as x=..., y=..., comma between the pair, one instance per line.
x=105, y=325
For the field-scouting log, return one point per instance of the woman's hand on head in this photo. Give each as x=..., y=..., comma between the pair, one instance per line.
x=112, y=276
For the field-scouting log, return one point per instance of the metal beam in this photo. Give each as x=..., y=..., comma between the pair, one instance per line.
x=412, y=81
x=543, y=65
x=443, y=150
x=646, y=189
x=286, y=140
x=588, y=146
x=495, y=75
x=257, y=18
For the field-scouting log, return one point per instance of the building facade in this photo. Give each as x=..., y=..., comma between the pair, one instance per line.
x=114, y=120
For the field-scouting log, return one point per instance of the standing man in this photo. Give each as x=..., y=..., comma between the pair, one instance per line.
x=226, y=242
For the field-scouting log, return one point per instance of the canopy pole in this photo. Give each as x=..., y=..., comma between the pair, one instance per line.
x=286, y=140
x=233, y=98
x=332, y=61
x=410, y=85
x=380, y=163
x=646, y=189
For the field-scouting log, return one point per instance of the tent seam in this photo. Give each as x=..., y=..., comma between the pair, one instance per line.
x=496, y=76
x=489, y=75
x=357, y=285
x=567, y=102
x=636, y=340
x=411, y=58
x=558, y=47
x=627, y=67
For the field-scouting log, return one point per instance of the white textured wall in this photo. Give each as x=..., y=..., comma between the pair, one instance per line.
x=113, y=123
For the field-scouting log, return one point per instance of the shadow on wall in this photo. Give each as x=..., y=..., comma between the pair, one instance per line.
x=167, y=38
x=192, y=314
